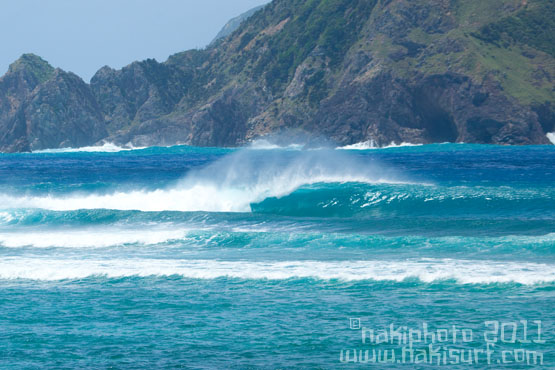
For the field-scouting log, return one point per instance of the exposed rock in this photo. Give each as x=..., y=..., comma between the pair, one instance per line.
x=348, y=71
x=139, y=92
x=46, y=108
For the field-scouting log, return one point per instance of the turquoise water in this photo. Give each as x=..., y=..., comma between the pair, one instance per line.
x=210, y=258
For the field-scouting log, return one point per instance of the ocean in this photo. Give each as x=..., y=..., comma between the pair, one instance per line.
x=267, y=257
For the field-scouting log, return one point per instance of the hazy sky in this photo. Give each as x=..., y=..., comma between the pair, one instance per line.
x=83, y=35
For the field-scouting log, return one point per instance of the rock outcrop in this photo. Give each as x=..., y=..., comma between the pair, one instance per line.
x=42, y=107
x=346, y=70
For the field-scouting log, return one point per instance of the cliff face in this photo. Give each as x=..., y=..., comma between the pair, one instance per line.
x=42, y=107
x=348, y=70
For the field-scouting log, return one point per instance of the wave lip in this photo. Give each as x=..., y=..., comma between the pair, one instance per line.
x=230, y=184
x=425, y=270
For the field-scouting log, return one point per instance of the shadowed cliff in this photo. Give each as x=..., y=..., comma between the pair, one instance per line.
x=347, y=70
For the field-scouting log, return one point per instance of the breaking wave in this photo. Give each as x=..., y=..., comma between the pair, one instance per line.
x=90, y=238
x=371, y=144
x=230, y=184
x=425, y=270
x=264, y=144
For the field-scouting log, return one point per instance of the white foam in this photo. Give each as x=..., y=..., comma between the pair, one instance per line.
x=231, y=184
x=551, y=137
x=88, y=238
x=106, y=147
x=364, y=145
x=370, y=144
x=5, y=217
x=426, y=270
x=263, y=144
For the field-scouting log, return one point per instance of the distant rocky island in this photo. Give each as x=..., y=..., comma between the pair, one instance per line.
x=416, y=71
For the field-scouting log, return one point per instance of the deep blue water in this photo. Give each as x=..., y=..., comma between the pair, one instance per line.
x=210, y=258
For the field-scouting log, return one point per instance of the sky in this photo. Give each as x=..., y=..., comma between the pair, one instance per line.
x=81, y=36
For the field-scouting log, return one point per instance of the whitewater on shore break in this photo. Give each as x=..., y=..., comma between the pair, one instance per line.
x=371, y=144
x=104, y=148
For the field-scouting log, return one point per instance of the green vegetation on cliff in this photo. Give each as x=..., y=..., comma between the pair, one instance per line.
x=533, y=25
x=328, y=27
x=33, y=64
x=347, y=70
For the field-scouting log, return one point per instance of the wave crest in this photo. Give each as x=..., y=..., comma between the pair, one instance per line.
x=230, y=184
x=371, y=144
x=425, y=270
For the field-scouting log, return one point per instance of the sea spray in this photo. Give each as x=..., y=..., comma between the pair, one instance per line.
x=230, y=184
x=457, y=235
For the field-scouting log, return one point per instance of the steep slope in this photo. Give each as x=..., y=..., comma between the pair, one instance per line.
x=417, y=71
x=42, y=107
x=234, y=23
x=345, y=70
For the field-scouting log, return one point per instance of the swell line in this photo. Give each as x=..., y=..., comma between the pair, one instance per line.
x=425, y=270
